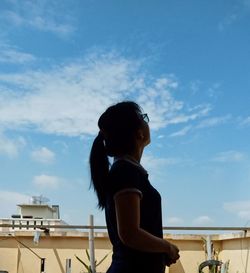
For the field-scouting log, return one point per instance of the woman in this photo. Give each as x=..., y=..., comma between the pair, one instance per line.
x=132, y=206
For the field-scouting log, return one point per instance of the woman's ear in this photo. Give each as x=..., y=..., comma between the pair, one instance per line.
x=140, y=134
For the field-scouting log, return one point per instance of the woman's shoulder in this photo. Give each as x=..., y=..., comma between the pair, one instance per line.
x=125, y=175
x=122, y=166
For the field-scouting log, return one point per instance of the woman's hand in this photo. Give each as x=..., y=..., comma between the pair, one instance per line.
x=172, y=255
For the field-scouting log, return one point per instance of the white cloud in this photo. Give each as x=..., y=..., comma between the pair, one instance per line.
x=181, y=132
x=43, y=155
x=228, y=21
x=199, y=86
x=174, y=221
x=245, y=121
x=11, y=147
x=203, y=220
x=62, y=145
x=12, y=55
x=68, y=99
x=195, y=86
x=194, y=114
x=156, y=166
x=214, y=121
x=156, y=163
x=9, y=200
x=229, y=156
x=44, y=15
x=205, y=123
x=214, y=90
x=240, y=208
x=239, y=10
x=46, y=181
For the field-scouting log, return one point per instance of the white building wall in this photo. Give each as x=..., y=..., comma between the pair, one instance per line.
x=37, y=212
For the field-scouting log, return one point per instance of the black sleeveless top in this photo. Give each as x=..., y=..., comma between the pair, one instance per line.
x=124, y=175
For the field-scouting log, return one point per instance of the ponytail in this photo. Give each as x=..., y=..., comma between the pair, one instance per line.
x=99, y=168
x=118, y=126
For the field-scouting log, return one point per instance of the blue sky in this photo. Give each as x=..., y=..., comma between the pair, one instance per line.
x=62, y=63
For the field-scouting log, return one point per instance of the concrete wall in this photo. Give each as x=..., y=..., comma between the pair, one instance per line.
x=44, y=212
x=58, y=246
x=237, y=251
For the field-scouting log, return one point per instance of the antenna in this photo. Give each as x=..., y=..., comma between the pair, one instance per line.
x=39, y=200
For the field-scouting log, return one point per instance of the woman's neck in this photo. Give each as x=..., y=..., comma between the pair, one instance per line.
x=136, y=156
x=132, y=158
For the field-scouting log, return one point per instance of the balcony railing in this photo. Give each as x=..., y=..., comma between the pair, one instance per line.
x=9, y=227
x=21, y=224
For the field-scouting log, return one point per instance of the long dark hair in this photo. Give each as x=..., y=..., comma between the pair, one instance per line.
x=118, y=126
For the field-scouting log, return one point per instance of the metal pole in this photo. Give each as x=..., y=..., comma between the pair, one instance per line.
x=91, y=244
x=209, y=248
x=42, y=265
x=68, y=265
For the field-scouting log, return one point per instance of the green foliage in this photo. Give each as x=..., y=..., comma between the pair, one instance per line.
x=221, y=268
x=88, y=266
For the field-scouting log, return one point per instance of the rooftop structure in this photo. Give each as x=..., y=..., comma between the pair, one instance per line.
x=32, y=215
x=38, y=209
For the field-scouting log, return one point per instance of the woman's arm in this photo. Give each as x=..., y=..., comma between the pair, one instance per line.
x=128, y=223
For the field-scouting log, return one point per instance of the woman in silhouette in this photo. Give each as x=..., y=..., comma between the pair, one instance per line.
x=132, y=205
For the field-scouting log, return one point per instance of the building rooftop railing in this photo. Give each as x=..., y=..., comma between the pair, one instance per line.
x=97, y=227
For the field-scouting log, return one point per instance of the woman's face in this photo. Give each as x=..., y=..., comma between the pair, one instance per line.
x=146, y=134
x=143, y=138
